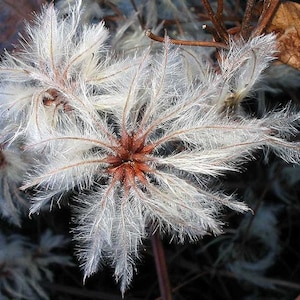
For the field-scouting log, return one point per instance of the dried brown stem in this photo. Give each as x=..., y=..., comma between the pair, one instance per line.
x=209, y=29
x=246, y=23
x=161, y=267
x=160, y=39
x=217, y=22
x=269, y=10
x=220, y=9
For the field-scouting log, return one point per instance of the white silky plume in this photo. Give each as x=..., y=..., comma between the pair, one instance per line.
x=146, y=143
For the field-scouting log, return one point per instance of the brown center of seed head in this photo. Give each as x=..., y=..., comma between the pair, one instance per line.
x=130, y=162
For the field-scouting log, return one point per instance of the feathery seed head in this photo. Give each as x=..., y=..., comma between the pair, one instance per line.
x=148, y=165
x=63, y=73
x=241, y=68
x=151, y=160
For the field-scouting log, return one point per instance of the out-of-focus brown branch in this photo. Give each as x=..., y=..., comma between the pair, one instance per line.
x=184, y=42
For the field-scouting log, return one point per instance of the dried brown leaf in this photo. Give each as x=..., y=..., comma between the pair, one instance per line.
x=286, y=23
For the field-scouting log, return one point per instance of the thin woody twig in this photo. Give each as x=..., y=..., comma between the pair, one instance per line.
x=161, y=267
x=185, y=42
x=209, y=29
x=270, y=8
x=220, y=9
x=217, y=22
x=246, y=23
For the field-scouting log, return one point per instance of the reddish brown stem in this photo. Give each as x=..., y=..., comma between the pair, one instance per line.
x=217, y=22
x=157, y=38
x=161, y=267
x=220, y=9
x=269, y=10
x=246, y=23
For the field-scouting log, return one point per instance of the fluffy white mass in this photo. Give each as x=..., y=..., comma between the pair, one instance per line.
x=138, y=145
x=61, y=75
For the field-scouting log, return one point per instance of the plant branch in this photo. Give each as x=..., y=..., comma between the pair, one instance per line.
x=220, y=9
x=269, y=10
x=246, y=23
x=161, y=267
x=216, y=20
x=160, y=39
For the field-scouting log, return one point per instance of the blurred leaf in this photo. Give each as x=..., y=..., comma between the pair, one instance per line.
x=286, y=24
x=12, y=17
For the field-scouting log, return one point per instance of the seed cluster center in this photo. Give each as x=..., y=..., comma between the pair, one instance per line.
x=130, y=162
